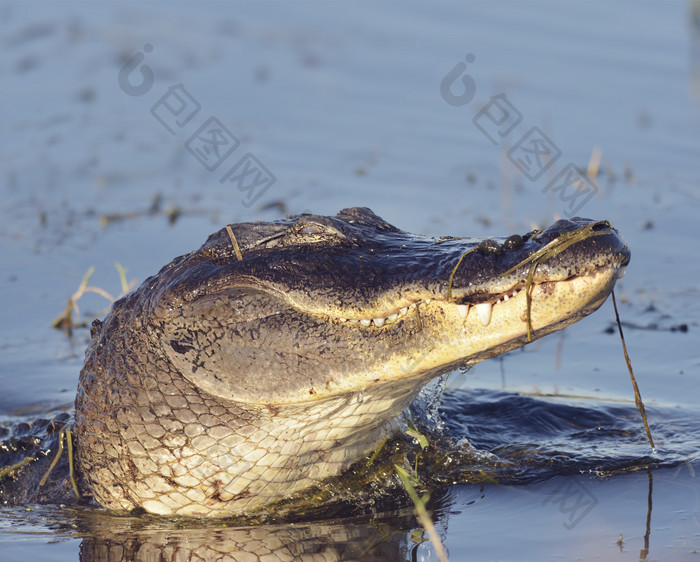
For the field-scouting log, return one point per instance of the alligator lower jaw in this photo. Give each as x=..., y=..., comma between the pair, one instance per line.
x=482, y=309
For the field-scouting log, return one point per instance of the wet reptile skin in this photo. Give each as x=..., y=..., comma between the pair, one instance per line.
x=227, y=382
x=184, y=452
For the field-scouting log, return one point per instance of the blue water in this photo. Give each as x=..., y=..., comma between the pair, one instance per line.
x=342, y=105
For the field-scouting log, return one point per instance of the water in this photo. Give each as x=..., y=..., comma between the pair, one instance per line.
x=343, y=106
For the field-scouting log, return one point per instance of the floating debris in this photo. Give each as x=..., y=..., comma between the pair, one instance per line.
x=637, y=395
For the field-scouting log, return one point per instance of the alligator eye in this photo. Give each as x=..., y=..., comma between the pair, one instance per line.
x=313, y=229
x=314, y=233
x=514, y=242
x=490, y=247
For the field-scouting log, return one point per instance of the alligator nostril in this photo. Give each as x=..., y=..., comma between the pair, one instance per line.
x=602, y=225
x=532, y=234
x=514, y=242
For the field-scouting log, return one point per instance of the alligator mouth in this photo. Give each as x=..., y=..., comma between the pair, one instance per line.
x=482, y=305
x=483, y=309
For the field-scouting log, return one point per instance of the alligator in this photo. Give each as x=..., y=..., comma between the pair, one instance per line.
x=280, y=353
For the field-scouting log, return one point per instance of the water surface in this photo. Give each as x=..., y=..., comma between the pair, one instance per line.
x=343, y=105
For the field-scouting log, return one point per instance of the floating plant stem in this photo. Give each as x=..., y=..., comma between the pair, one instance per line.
x=548, y=251
x=422, y=513
x=55, y=459
x=637, y=395
x=71, y=464
x=452, y=275
x=7, y=470
x=376, y=452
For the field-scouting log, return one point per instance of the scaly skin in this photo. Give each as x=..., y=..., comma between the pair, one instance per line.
x=181, y=451
x=224, y=385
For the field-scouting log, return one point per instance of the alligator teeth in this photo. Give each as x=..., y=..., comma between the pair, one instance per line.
x=484, y=311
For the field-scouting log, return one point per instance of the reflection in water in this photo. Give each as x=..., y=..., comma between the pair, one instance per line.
x=111, y=538
x=645, y=551
x=388, y=537
x=114, y=539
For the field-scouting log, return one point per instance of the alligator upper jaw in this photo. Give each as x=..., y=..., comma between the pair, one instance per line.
x=504, y=317
x=481, y=305
x=460, y=272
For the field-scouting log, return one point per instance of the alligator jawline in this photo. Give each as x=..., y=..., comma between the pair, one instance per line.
x=479, y=302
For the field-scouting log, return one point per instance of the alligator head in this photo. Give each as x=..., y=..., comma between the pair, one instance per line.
x=261, y=341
